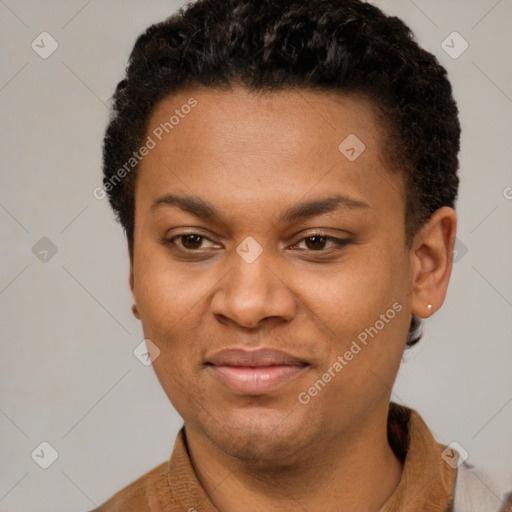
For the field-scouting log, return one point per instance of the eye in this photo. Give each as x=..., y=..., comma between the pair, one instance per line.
x=189, y=241
x=316, y=242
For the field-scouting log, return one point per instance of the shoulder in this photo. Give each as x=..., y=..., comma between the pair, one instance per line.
x=475, y=491
x=148, y=492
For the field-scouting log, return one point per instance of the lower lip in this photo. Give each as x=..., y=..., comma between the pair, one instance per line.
x=256, y=380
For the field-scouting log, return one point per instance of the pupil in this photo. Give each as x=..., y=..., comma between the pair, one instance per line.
x=196, y=241
x=320, y=239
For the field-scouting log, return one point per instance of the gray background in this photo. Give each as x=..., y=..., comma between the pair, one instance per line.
x=67, y=369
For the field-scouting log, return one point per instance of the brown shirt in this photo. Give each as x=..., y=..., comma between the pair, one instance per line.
x=426, y=485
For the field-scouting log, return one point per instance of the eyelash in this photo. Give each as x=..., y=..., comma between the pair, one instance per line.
x=339, y=242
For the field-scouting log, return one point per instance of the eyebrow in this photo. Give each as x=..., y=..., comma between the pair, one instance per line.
x=311, y=208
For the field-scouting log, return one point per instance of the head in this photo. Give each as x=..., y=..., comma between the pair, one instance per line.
x=285, y=174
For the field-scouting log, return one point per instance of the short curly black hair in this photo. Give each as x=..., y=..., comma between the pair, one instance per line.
x=344, y=46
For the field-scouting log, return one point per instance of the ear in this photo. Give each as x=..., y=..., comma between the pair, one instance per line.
x=431, y=261
x=135, y=310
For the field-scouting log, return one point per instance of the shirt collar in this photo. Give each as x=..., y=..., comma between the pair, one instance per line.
x=427, y=480
x=426, y=483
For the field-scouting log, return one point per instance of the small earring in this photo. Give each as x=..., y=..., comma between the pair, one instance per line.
x=429, y=307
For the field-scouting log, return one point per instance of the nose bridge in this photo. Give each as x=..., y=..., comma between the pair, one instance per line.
x=252, y=290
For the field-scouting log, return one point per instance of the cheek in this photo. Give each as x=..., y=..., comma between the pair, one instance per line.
x=164, y=292
x=171, y=305
x=348, y=306
x=351, y=296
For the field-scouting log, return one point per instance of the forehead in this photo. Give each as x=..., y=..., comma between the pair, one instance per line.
x=264, y=144
x=295, y=120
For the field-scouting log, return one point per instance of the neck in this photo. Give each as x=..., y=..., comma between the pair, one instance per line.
x=337, y=473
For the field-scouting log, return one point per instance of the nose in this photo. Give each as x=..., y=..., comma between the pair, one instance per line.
x=251, y=293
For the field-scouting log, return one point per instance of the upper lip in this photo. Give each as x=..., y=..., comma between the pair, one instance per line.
x=254, y=358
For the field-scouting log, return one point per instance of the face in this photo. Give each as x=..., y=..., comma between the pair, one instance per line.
x=270, y=267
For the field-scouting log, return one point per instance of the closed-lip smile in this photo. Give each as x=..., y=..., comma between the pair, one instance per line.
x=256, y=371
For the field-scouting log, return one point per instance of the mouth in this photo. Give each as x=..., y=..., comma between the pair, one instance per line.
x=255, y=372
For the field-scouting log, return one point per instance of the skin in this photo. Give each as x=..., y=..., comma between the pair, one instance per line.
x=252, y=157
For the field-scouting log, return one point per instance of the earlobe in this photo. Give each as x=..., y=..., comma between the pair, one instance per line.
x=135, y=309
x=432, y=259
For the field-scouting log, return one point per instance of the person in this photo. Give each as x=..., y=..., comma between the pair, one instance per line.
x=286, y=176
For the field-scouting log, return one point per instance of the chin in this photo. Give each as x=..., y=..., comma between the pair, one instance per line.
x=260, y=434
